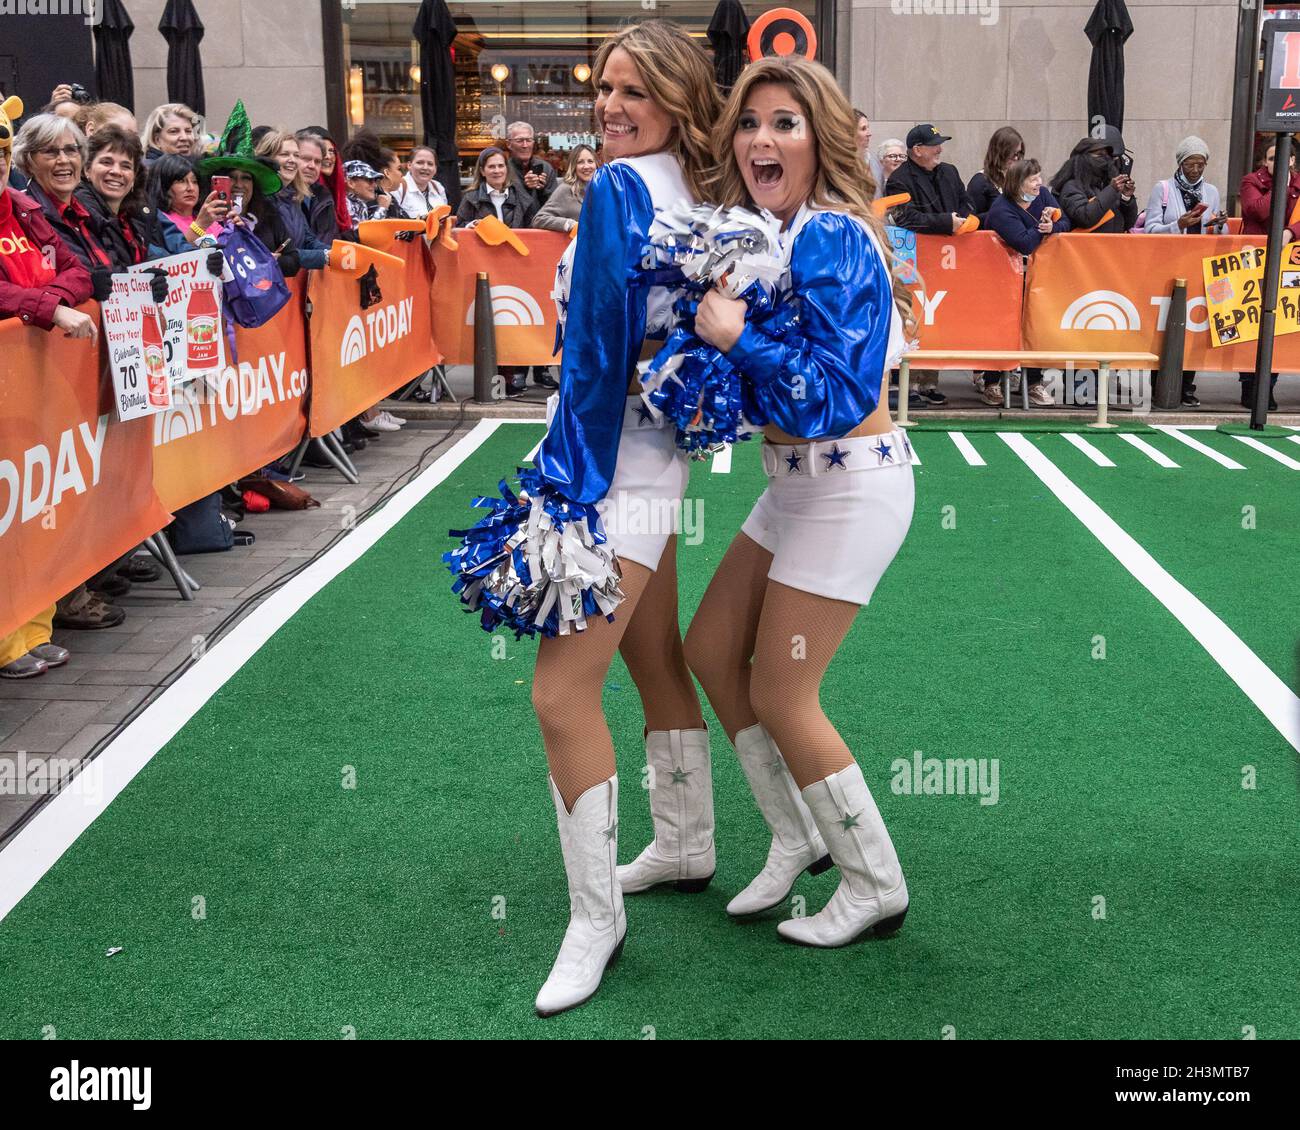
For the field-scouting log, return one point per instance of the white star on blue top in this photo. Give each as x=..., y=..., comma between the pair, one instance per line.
x=794, y=462
x=884, y=452
x=646, y=416
x=835, y=458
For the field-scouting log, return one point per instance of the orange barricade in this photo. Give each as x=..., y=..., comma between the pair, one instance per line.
x=1112, y=292
x=522, y=306
x=76, y=487
x=972, y=294
x=359, y=356
x=257, y=412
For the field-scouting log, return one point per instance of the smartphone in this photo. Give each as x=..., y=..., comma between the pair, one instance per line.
x=1198, y=208
x=536, y=167
x=221, y=186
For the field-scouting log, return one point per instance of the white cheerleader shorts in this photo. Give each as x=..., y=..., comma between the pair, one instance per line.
x=643, y=506
x=834, y=513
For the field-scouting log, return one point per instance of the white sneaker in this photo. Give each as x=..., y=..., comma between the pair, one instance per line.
x=388, y=417
x=681, y=806
x=872, y=895
x=1039, y=395
x=597, y=924
x=382, y=425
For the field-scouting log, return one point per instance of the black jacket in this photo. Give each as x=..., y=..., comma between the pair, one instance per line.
x=515, y=176
x=70, y=233
x=982, y=193
x=321, y=215
x=1084, y=206
x=107, y=229
x=517, y=212
x=935, y=196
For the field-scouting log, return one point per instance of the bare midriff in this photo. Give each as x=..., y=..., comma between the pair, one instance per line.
x=878, y=423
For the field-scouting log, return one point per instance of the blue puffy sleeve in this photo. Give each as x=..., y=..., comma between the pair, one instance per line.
x=604, y=327
x=820, y=375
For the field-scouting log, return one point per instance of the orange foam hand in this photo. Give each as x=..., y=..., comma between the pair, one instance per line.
x=449, y=241
x=573, y=232
x=968, y=225
x=433, y=221
x=354, y=259
x=494, y=233
x=885, y=203
x=381, y=233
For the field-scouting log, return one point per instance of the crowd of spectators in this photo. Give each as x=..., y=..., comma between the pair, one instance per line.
x=108, y=193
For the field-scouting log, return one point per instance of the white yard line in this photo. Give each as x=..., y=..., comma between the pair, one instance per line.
x=1196, y=445
x=1153, y=453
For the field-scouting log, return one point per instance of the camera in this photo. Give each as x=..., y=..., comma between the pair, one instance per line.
x=80, y=95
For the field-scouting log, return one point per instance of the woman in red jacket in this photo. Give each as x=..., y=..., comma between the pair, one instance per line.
x=1256, y=202
x=44, y=295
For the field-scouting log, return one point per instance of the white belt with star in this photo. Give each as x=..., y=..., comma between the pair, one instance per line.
x=836, y=456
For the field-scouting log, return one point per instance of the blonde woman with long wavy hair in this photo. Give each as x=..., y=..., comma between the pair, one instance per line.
x=656, y=104
x=838, y=502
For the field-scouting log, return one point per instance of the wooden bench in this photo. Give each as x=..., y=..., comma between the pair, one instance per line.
x=1102, y=361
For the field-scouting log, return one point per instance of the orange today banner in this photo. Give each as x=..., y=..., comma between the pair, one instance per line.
x=522, y=307
x=359, y=356
x=1112, y=292
x=968, y=296
x=252, y=413
x=76, y=486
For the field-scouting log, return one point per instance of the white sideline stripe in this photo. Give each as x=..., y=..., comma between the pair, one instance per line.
x=1275, y=700
x=722, y=461
x=1294, y=439
x=972, y=457
x=1087, y=448
x=35, y=849
x=1197, y=445
x=1154, y=452
x=1285, y=460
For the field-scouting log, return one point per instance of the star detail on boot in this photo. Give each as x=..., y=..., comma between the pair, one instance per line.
x=610, y=832
x=679, y=775
x=775, y=767
x=850, y=820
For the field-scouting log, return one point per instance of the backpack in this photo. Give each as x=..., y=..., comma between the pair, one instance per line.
x=256, y=290
x=1141, y=225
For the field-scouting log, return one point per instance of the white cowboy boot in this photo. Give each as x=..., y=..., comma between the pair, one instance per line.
x=796, y=844
x=594, y=939
x=872, y=895
x=681, y=805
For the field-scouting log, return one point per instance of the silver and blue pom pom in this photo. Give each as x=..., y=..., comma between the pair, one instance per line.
x=537, y=563
x=688, y=380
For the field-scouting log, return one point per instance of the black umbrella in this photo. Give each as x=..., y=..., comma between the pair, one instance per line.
x=1107, y=29
x=434, y=30
x=728, y=31
x=183, y=30
x=114, y=79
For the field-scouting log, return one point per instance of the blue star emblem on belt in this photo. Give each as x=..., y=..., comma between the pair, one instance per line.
x=644, y=414
x=835, y=458
x=793, y=463
x=884, y=452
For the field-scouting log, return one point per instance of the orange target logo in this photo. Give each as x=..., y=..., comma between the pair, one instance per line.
x=782, y=31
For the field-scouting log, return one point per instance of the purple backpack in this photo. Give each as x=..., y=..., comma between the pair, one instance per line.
x=257, y=292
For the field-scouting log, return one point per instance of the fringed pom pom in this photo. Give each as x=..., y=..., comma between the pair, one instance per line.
x=537, y=563
x=689, y=381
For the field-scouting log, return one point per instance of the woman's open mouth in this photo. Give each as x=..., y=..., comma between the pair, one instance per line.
x=767, y=171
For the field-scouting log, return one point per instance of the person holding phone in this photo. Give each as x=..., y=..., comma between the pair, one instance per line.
x=1186, y=204
x=532, y=177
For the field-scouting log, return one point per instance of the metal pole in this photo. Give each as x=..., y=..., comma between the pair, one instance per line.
x=485, y=340
x=1103, y=394
x=904, y=379
x=1272, y=267
x=1167, y=391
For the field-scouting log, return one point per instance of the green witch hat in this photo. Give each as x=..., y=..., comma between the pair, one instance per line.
x=235, y=151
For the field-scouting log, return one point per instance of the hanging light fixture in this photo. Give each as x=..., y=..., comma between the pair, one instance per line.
x=582, y=72
x=356, y=102
x=415, y=73
x=500, y=72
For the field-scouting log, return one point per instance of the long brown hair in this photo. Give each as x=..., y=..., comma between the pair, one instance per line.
x=1002, y=145
x=839, y=184
x=679, y=77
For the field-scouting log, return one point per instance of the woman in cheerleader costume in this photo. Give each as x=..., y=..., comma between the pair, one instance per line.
x=656, y=105
x=838, y=502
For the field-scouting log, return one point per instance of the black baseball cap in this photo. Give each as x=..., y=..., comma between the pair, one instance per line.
x=925, y=134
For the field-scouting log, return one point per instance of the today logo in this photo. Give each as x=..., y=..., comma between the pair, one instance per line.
x=11, y=246
x=378, y=329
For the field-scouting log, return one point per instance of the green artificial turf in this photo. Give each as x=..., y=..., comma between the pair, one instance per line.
x=1121, y=421
x=332, y=910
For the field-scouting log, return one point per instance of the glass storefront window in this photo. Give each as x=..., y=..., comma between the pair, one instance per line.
x=520, y=61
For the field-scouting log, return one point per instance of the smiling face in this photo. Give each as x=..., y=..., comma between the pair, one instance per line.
x=112, y=173
x=927, y=156
x=328, y=157
x=364, y=188
x=423, y=166
x=585, y=168
x=56, y=167
x=632, y=123
x=310, y=155
x=775, y=150
x=521, y=144
x=241, y=184
x=494, y=172
x=176, y=135
x=287, y=156
x=1031, y=185
x=864, y=133
x=183, y=196
x=894, y=156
